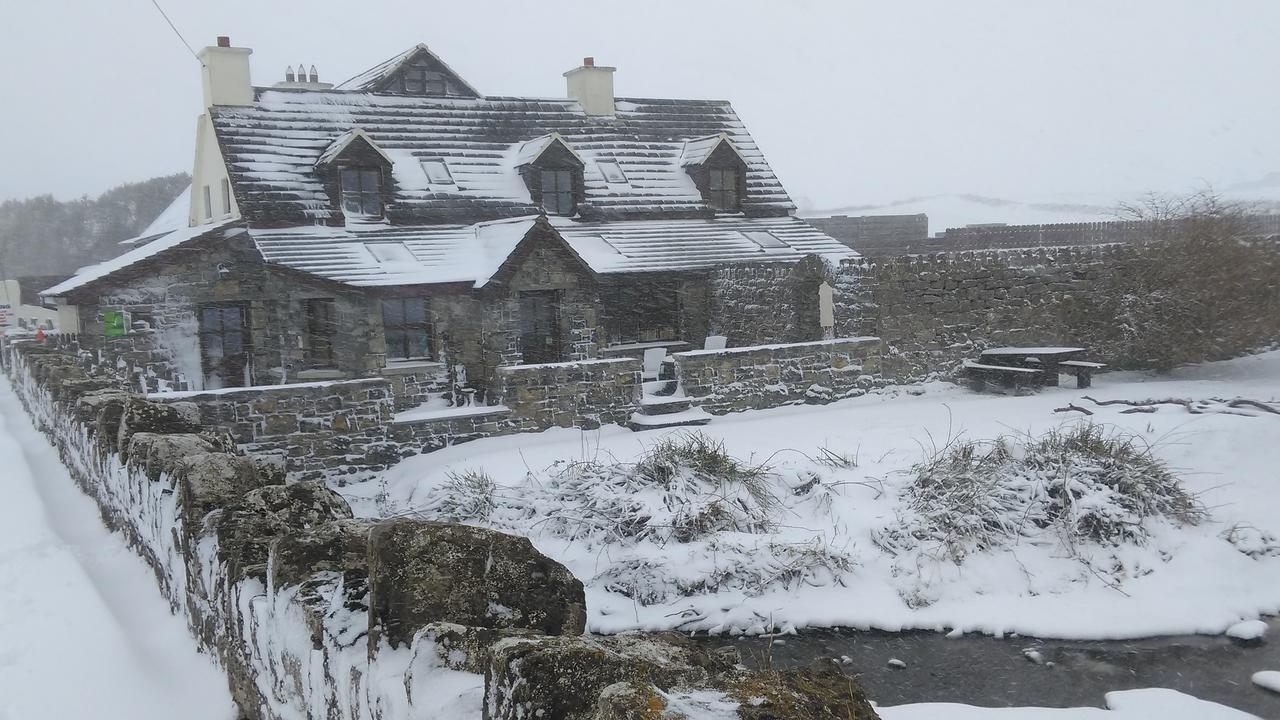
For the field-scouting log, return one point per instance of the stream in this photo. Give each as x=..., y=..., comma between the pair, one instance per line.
x=996, y=672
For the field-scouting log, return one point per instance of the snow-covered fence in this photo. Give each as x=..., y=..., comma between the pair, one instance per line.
x=765, y=376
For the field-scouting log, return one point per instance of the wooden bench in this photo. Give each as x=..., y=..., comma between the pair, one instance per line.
x=1015, y=378
x=1081, y=369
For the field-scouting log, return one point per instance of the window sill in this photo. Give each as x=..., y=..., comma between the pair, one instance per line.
x=322, y=374
x=405, y=367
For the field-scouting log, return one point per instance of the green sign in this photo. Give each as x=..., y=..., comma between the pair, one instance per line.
x=114, y=323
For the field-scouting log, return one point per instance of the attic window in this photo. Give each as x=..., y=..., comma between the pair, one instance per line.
x=611, y=171
x=557, y=191
x=722, y=189
x=437, y=172
x=391, y=253
x=418, y=80
x=362, y=192
x=766, y=240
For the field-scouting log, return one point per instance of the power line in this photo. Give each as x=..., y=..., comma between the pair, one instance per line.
x=175, y=29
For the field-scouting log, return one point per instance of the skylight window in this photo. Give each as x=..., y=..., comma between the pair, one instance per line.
x=611, y=171
x=437, y=172
x=391, y=253
x=766, y=240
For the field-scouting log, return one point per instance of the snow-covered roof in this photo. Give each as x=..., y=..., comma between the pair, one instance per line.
x=400, y=255
x=697, y=150
x=174, y=217
x=182, y=236
x=272, y=146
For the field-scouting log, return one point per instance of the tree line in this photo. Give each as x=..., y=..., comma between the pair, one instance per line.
x=45, y=236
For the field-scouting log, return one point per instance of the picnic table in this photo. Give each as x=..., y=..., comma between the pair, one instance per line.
x=1020, y=367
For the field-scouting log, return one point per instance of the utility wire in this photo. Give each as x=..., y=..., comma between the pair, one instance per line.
x=175, y=29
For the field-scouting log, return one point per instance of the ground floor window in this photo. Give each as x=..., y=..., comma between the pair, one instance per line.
x=540, y=336
x=322, y=328
x=224, y=345
x=407, y=325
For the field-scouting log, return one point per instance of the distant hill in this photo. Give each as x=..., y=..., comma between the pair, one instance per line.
x=45, y=236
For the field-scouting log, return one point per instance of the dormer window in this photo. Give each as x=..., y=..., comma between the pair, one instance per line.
x=557, y=192
x=418, y=80
x=361, y=191
x=722, y=189
x=553, y=172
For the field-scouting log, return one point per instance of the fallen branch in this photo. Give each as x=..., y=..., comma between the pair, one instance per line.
x=1239, y=402
x=1140, y=403
x=1130, y=411
x=1073, y=408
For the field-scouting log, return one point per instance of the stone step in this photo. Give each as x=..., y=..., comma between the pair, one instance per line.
x=658, y=387
x=685, y=418
x=664, y=405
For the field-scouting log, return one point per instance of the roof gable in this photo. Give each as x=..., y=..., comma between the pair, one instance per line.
x=345, y=141
x=550, y=145
x=389, y=76
x=699, y=150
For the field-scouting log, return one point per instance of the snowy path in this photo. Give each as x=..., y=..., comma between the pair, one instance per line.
x=84, y=633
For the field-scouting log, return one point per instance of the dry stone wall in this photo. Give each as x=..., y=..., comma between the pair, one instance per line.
x=583, y=394
x=753, y=378
x=313, y=613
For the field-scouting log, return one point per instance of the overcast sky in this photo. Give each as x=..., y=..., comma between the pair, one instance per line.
x=852, y=102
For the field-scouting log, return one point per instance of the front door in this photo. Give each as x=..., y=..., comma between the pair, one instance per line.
x=540, y=340
x=224, y=346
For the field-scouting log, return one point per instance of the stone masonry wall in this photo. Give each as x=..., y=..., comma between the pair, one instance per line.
x=753, y=378
x=575, y=394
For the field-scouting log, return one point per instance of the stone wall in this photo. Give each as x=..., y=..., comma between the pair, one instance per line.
x=313, y=613
x=873, y=234
x=753, y=378
x=576, y=394
x=767, y=303
x=331, y=430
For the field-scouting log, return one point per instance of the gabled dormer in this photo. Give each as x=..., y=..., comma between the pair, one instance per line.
x=552, y=170
x=357, y=176
x=718, y=170
x=414, y=72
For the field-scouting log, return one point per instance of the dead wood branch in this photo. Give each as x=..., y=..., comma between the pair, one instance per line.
x=1073, y=408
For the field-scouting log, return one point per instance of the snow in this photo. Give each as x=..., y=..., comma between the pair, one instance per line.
x=1248, y=630
x=820, y=566
x=1146, y=704
x=86, y=632
x=430, y=411
x=174, y=217
x=1267, y=679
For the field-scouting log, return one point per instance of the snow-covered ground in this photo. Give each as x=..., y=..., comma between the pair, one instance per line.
x=820, y=566
x=84, y=631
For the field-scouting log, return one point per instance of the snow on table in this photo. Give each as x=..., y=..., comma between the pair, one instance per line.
x=86, y=633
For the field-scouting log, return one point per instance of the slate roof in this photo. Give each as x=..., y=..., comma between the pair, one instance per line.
x=271, y=149
x=473, y=253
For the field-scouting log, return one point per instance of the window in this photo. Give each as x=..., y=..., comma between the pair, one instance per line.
x=391, y=253
x=407, y=326
x=722, y=189
x=226, y=197
x=437, y=172
x=766, y=240
x=322, y=328
x=557, y=191
x=418, y=80
x=208, y=204
x=611, y=171
x=361, y=192
x=224, y=346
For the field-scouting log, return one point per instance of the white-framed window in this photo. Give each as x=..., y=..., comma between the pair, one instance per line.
x=437, y=172
x=208, y=203
x=612, y=172
x=226, y=196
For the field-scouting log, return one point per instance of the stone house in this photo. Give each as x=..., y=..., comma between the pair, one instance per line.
x=403, y=224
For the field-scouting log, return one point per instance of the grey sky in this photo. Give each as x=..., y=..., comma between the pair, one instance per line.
x=852, y=102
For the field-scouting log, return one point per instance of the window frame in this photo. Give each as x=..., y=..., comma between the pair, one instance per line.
x=226, y=196
x=322, y=332
x=208, y=202
x=360, y=197
x=406, y=329
x=722, y=196
x=564, y=196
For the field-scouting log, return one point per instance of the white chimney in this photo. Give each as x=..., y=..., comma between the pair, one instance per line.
x=225, y=74
x=592, y=86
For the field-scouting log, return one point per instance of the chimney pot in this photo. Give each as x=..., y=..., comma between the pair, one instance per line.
x=588, y=62
x=224, y=41
x=313, y=76
x=288, y=73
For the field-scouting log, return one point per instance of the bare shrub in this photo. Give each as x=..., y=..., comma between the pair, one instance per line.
x=466, y=496
x=1085, y=484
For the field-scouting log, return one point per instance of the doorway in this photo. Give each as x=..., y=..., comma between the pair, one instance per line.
x=540, y=338
x=224, y=346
